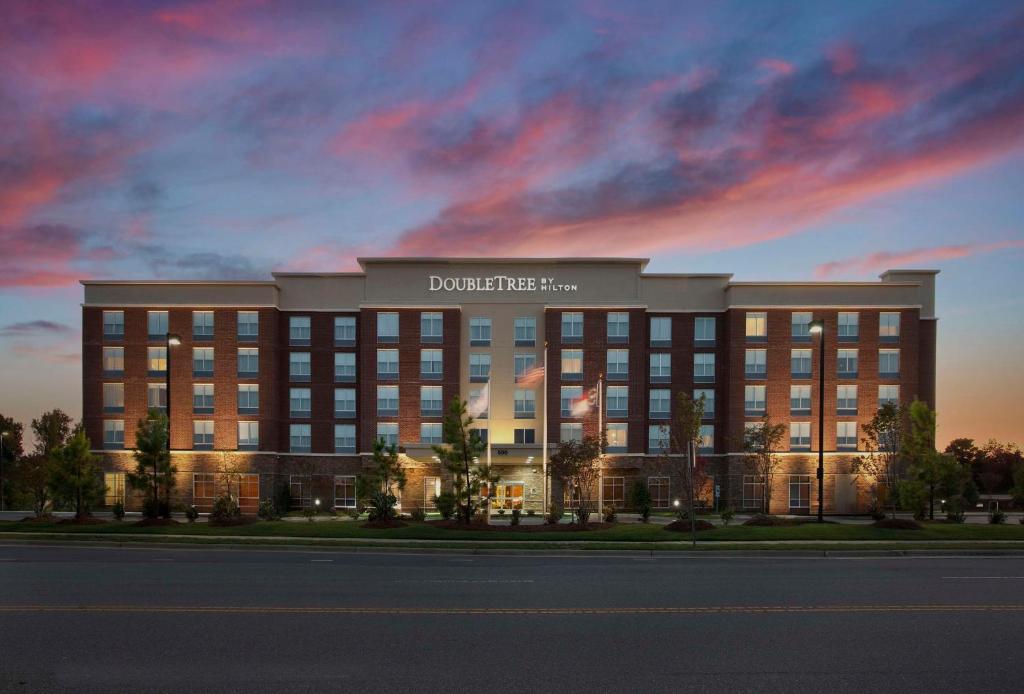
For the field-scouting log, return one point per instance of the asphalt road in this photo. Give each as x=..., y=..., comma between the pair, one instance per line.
x=196, y=619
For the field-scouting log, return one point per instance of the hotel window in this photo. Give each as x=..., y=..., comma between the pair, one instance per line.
x=753, y=400
x=115, y=484
x=387, y=327
x=613, y=491
x=753, y=492
x=525, y=332
x=704, y=367
x=299, y=402
x=430, y=433
x=846, y=435
x=524, y=436
x=430, y=401
x=431, y=490
x=344, y=438
x=204, y=487
x=202, y=398
x=156, y=396
x=300, y=438
x=888, y=395
x=479, y=332
x=704, y=331
x=706, y=444
x=344, y=331
x=616, y=433
x=344, y=367
x=202, y=434
x=202, y=325
x=618, y=365
x=618, y=327
x=846, y=400
x=299, y=366
x=345, y=402
x=709, y=401
x=431, y=364
x=799, y=491
x=479, y=367
x=572, y=364
x=618, y=401
x=888, y=327
x=389, y=432
x=849, y=326
x=661, y=367
x=387, y=364
x=846, y=363
x=113, y=325
x=113, y=361
x=248, y=361
x=525, y=404
x=661, y=491
x=298, y=330
x=431, y=327
x=248, y=326
x=202, y=361
x=478, y=403
x=570, y=431
x=522, y=364
x=113, y=433
x=660, y=403
x=800, y=329
x=507, y=495
x=113, y=397
x=570, y=396
x=800, y=363
x=799, y=400
x=889, y=363
x=481, y=435
x=757, y=326
x=157, y=324
x=344, y=491
x=756, y=363
x=248, y=398
x=661, y=331
x=387, y=401
x=248, y=436
x=657, y=438
x=799, y=436
x=572, y=327
x=156, y=361
x=299, y=491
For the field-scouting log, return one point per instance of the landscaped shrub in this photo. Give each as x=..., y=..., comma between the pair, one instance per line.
x=191, y=512
x=445, y=502
x=640, y=498
x=609, y=514
x=531, y=513
x=516, y=513
x=118, y=511
x=225, y=511
x=997, y=517
x=554, y=514
x=955, y=510
x=352, y=513
x=381, y=506
x=727, y=515
x=501, y=512
x=267, y=510
x=418, y=515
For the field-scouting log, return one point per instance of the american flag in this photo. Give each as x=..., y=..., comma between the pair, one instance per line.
x=477, y=406
x=585, y=403
x=532, y=377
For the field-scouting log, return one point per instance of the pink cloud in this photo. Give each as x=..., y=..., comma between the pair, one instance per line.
x=885, y=260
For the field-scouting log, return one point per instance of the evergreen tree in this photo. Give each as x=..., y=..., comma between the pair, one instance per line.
x=381, y=485
x=74, y=477
x=460, y=455
x=153, y=470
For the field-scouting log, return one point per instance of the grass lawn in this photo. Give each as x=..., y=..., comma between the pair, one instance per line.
x=624, y=533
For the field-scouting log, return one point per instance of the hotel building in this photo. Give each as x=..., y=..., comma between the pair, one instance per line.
x=289, y=381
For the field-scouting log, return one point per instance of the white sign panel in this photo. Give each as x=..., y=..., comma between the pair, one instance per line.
x=499, y=283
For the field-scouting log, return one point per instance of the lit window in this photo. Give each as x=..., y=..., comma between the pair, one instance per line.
x=613, y=491
x=157, y=324
x=344, y=491
x=202, y=398
x=113, y=360
x=799, y=399
x=525, y=331
x=709, y=401
x=344, y=438
x=300, y=438
x=431, y=433
x=202, y=434
x=660, y=399
x=387, y=401
x=661, y=491
x=657, y=438
x=479, y=367
x=707, y=438
x=617, y=404
x=156, y=396
x=846, y=435
x=202, y=324
x=799, y=491
x=888, y=395
x=570, y=431
x=525, y=404
x=704, y=367
x=156, y=360
x=202, y=361
x=431, y=329
x=248, y=398
x=889, y=363
x=799, y=436
x=572, y=326
x=248, y=361
x=248, y=325
x=618, y=327
x=801, y=326
x=846, y=363
x=572, y=364
x=344, y=402
x=113, y=433
x=522, y=364
x=344, y=367
x=298, y=330
x=431, y=364
x=846, y=400
x=800, y=363
x=248, y=435
x=480, y=332
x=430, y=401
x=889, y=326
x=757, y=326
x=570, y=395
x=113, y=397
x=661, y=367
x=344, y=330
x=387, y=327
x=389, y=432
x=617, y=433
x=753, y=400
x=299, y=404
x=704, y=331
x=204, y=487
x=113, y=324
x=756, y=363
x=115, y=484
x=661, y=331
x=849, y=326
x=618, y=365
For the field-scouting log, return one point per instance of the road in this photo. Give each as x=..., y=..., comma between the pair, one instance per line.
x=102, y=619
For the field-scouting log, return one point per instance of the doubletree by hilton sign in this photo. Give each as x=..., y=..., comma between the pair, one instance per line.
x=499, y=283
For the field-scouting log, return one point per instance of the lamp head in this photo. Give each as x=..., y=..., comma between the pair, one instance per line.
x=816, y=327
x=173, y=340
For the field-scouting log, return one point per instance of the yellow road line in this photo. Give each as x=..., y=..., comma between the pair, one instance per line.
x=737, y=609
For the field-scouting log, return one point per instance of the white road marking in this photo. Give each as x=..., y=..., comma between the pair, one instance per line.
x=321, y=560
x=987, y=578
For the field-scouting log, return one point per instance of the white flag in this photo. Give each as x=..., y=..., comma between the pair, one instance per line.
x=478, y=405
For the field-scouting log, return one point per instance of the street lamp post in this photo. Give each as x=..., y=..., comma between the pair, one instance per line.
x=173, y=340
x=818, y=327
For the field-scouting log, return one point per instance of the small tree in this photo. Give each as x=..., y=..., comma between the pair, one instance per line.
x=640, y=499
x=33, y=481
x=963, y=451
x=460, y=455
x=920, y=454
x=10, y=452
x=574, y=464
x=381, y=485
x=74, y=478
x=51, y=430
x=154, y=475
x=883, y=440
x=682, y=437
x=762, y=443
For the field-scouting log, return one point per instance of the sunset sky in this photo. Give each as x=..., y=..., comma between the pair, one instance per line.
x=226, y=139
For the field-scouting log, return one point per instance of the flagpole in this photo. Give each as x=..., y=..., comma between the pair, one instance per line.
x=544, y=433
x=488, y=386
x=600, y=449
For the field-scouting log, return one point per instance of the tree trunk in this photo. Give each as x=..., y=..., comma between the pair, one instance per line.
x=931, y=502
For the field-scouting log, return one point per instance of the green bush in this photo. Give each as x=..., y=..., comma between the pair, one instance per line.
x=118, y=511
x=609, y=514
x=728, y=513
x=225, y=511
x=640, y=498
x=997, y=517
x=955, y=510
x=352, y=513
x=531, y=513
x=445, y=502
x=191, y=512
x=267, y=510
x=516, y=513
x=381, y=506
x=914, y=498
x=554, y=514
x=282, y=497
x=418, y=515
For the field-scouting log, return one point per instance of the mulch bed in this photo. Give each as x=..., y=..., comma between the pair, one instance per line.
x=84, y=520
x=154, y=522
x=560, y=527
x=683, y=526
x=897, y=524
x=381, y=525
x=45, y=518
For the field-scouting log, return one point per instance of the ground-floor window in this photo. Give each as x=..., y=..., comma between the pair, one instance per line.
x=344, y=491
x=799, y=491
x=661, y=491
x=613, y=491
x=431, y=489
x=753, y=492
x=571, y=498
x=248, y=485
x=299, y=490
x=204, y=488
x=507, y=495
x=115, y=488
